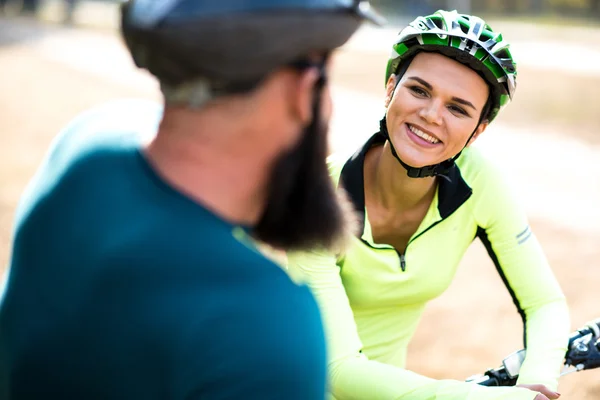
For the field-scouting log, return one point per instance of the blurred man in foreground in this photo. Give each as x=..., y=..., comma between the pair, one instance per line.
x=132, y=273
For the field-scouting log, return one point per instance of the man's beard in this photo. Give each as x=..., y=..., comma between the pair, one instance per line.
x=304, y=210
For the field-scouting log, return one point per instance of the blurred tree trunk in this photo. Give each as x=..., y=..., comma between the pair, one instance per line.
x=595, y=7
x=537, y=6
x=511, y=6
x=30, y=6
x=462, y=6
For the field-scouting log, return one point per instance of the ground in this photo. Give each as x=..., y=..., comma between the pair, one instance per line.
x=49, y=74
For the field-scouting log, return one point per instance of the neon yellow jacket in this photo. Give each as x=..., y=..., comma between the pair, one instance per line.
x=372, y=297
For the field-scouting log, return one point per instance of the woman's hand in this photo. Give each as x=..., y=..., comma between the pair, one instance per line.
x=544, y=392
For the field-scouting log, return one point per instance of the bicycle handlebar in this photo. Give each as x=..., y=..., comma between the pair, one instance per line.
x=583, y=353
x=584, y=347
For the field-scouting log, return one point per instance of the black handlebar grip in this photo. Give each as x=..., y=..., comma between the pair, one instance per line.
x=497, y=377
x=586, y=355
x=488, y=382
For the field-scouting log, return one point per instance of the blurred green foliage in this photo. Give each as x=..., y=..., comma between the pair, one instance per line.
x=565, y=8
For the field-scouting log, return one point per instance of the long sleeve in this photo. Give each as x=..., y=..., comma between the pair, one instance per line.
x=351, y=374
x=522, y=265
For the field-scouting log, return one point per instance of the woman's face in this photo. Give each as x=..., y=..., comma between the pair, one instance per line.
x=434, y=109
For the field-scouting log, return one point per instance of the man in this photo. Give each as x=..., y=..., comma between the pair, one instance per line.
x=132, y=273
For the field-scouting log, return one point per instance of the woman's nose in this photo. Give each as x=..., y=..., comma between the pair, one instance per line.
x=432, y=112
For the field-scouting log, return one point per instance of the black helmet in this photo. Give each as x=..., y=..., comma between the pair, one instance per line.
x=230, y=45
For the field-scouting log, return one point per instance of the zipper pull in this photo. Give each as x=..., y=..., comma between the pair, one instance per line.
x=402, y=262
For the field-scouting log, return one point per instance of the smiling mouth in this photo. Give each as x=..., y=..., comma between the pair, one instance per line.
x=423, y=135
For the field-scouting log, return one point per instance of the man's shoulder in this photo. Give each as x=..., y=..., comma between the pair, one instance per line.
x=87, y=149
x=233, y=246
x=108, y=126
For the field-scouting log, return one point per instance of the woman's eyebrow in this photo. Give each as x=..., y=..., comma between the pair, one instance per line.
x=421, y=81
x=464, y=102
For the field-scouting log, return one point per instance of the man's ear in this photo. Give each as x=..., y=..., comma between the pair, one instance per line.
x=480, y=129
x=303, y=94
x=389, y=89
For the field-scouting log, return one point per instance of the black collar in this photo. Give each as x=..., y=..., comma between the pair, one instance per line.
x=451, y=194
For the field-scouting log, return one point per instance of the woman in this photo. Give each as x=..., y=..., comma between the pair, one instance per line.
x=421, y=206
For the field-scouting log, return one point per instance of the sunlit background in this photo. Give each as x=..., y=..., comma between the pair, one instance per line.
x=58, y=58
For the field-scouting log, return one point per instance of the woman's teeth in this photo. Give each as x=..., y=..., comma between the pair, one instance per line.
x=423, y=135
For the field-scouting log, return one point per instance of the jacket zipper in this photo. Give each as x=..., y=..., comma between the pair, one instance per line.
x=403, y=255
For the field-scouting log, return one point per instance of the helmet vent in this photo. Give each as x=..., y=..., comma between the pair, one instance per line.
x=438, y=22
x=485, y=36
x=502, y=54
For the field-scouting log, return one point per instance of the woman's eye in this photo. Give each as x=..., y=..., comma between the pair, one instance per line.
x=458, y=110
x=418, y=91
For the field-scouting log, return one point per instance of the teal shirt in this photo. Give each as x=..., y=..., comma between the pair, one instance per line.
x=120, y=287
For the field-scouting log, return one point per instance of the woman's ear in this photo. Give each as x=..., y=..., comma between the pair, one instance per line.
x=389, y=89
x=480, y=129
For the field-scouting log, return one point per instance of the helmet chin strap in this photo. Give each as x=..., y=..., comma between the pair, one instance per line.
x=442, y=169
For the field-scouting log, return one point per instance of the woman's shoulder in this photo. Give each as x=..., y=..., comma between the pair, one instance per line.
x=477, y=166
x=492, y=188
